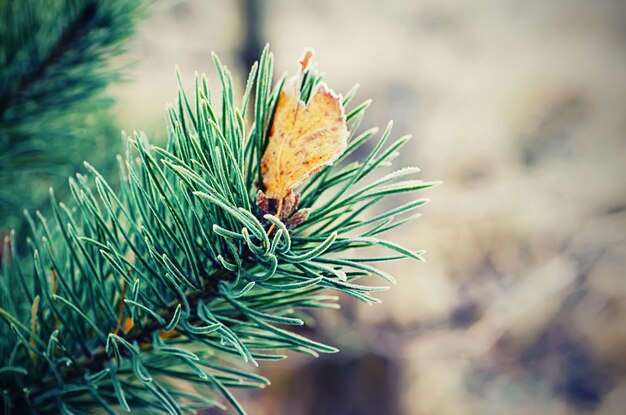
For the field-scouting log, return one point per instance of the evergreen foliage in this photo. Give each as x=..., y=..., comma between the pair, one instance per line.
x=55, y=59
x=130, y=295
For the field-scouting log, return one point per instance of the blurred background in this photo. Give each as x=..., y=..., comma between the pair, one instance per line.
x=520, y=109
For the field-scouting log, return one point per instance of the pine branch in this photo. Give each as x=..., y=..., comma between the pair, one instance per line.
x=71, y=36
x=72, y=63
x=177, y=277
x=55, y=63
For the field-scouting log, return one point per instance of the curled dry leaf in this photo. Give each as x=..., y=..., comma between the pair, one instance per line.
x=304, y=137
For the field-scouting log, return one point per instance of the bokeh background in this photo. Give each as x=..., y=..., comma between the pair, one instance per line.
x=520, y=108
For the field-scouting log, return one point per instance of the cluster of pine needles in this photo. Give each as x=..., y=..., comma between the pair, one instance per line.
x=131, y=293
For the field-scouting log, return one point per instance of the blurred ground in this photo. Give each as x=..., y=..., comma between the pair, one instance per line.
x=520, y=108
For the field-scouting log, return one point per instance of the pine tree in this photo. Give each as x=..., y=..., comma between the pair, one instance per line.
x=177, y=277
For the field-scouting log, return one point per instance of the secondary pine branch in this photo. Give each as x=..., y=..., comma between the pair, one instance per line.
x=56, y=61
x=94, y=32
x=70, y=36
